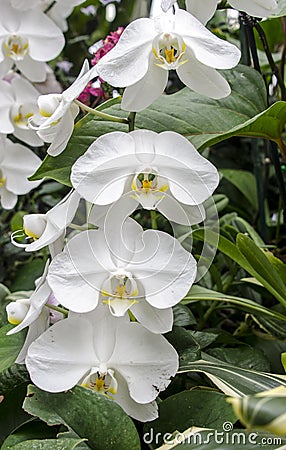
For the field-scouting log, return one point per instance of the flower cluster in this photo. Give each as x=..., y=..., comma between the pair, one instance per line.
x=97, y=89
x=113, y=282
x=31, y=34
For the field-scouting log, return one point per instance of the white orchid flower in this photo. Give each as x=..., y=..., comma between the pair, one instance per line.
x=27, y=39
x=58, y=10
x=18, y=102
x=158, y=171
x=49, y=229
x=149, y=48
x=31, y=313
x=204, y=10
x=146, y=272
x=112, y=356
x=55, y=122
x=17, y=164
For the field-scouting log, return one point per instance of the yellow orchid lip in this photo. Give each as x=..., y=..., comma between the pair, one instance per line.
x=31, y=234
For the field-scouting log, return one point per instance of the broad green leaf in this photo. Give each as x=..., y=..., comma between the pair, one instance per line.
x=283, y=360
x=183, y=316
x=48, y=444
x=186, y=346
x=199, y=118
x=199, y=293
x=271, y=328
x=30, y=430
x=10, y=346
x=233, y=380
x=11, y=412
x=245, y=182
x=187, y=409
x=89, y=414
x=266, y=410
x=242, y=356
x=262, y=269
x=27, y=274
x=12, y=377
x=251, y=262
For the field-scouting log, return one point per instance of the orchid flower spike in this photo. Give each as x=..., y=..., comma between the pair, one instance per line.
x=147, y=272
x=114, y=357
x=158, y=171
x=48, y=229
x=28, y=39
x=31, y=313
x=204, y=10
x=149, y=48
x=55, y=122
x=17, y=164
x=18, y=102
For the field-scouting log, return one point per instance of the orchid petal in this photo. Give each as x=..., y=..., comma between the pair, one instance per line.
x=203, y=79
x=256, y=8
x=143, y=93
x=127, y=62
x=46, y=40
x=143, y=412
x=148, y=371
x=180, y=213
x=64, y=132
x=76, y=275
x=202, y=11
x=62, y=355
x=33, y=70
x=207, y=48
x=165, y=270
x=37, y=327
x=6, y=102
x=8, y=199
x=18, y=165
x=192, y=178
x=100, y=174
x=155, y=320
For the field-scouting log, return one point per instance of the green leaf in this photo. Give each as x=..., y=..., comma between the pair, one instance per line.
x=249, y=257
x=11, y=412
x=27, y=274
x=183, y=316
x=283, y=360
x=199, y=293
x=10, y=346
x=29, y=430
x=242, y=356
x=262, y=269
x=48, y=444
x=245, y=182
x=202, y=120
x=187, y=409
x=12, y=377
x=89, y=414
x=233, y=380
x=266, y=410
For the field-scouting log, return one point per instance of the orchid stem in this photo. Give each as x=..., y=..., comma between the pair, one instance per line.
x=271, y=61
x=58, y=309
x=131, y=121
x=100, y=114
x=153, y=215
